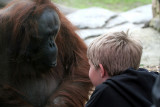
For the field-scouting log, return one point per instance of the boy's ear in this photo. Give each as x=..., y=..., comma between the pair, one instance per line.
x=102, y=71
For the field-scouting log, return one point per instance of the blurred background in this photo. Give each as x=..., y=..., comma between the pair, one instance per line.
x=96, y=17
x=114, y=5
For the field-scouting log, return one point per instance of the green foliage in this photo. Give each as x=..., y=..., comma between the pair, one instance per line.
x=115, y=5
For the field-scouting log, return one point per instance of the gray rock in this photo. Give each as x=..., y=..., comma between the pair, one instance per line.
x=93, y=17
x=139, y=15
x=90, y=33
x=119, y=20
x=132, y=20
x=88, y=41
x=150, y=39
x=65, y=10
x=124, y=27
x=155, y=23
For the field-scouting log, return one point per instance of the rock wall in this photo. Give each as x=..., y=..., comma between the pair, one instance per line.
x=155, y=22
x=93, y=22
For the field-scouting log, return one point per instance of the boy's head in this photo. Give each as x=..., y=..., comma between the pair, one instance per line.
x=115, y=52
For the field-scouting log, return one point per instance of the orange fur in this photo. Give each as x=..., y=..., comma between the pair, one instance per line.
x=71, y=73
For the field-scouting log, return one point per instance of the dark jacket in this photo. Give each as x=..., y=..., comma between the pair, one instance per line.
x=156, y=93
x=132, y=88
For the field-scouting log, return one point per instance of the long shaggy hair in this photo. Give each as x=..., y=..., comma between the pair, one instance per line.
x=66, y=85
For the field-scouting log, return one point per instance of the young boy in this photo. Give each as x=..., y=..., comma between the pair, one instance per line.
x=114, y=60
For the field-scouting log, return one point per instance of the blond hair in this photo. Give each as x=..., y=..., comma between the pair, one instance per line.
x=116, y=52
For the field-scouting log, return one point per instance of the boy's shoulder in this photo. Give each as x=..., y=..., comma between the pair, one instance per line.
x=131, y=73
x=131, y=80
x=101, y=93
x=121, y=89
